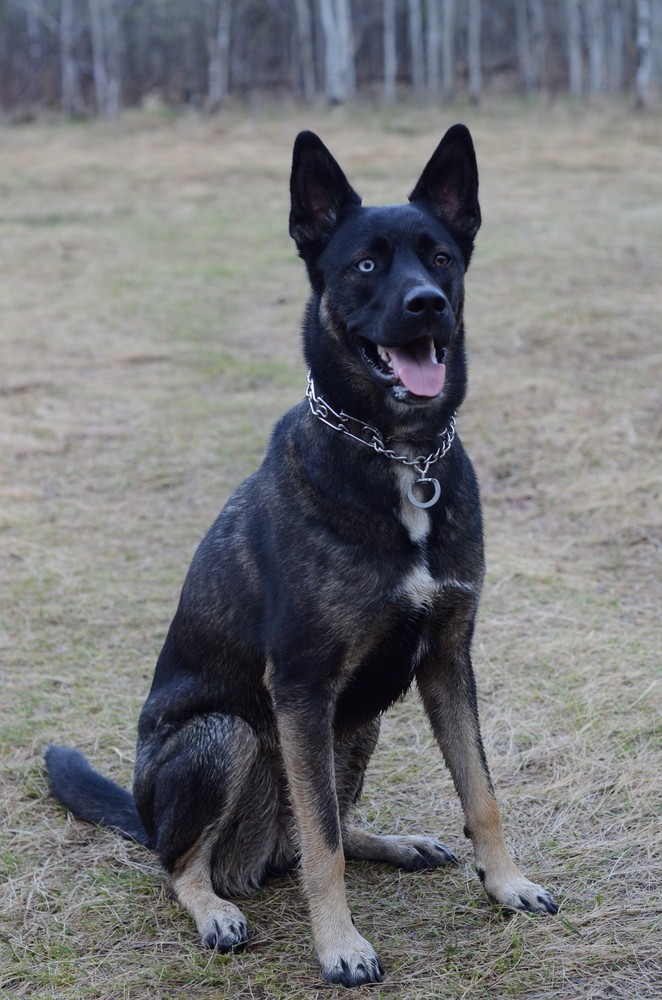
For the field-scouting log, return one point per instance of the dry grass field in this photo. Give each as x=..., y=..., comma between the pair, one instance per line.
x=151, y=301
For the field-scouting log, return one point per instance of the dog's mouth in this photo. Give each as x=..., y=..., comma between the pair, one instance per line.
x=417, y=366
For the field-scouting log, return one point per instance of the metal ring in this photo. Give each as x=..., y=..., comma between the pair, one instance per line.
x=424, y=503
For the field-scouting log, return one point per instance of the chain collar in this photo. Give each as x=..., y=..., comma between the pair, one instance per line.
x=370, y=436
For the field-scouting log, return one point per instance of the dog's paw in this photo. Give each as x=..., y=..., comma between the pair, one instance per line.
x=225, y=930
x=519, y=894
x=419, y=853
x=351, y=965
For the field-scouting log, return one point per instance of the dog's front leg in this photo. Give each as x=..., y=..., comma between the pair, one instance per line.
x=448, y=689
x=306, y=738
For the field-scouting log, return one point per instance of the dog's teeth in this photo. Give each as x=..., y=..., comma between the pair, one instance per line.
x=383, y=353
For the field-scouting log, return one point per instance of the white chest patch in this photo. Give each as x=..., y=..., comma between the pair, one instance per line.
x=415, y=519
x=419, y=587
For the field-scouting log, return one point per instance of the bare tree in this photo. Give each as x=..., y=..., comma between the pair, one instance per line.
x=644, y=52
x=218, y=18
x=616, y=46
x=433, y=39
x=596, y=45
x=390, y=51
x=335, y=17
x=306, y=51
x=72, y=96
x=106, y=56
x=574, y=45
x=416, y=45
x=474, y=51
x=448, y=48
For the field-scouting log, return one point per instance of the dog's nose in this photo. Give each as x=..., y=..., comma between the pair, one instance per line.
x=425, y=300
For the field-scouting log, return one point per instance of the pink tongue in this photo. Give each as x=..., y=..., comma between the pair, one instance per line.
x=417, y=371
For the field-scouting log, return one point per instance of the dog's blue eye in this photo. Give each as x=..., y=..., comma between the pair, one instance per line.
x=366, y=265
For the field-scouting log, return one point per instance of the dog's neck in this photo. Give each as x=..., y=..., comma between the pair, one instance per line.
x=370, y=436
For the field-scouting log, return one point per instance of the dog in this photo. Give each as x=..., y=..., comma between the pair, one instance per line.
x=348, y=566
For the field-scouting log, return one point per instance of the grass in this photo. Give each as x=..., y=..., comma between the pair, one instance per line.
x=151, y=301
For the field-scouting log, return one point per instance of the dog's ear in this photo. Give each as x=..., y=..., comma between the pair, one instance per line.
x=319, y=190
x=449, y=185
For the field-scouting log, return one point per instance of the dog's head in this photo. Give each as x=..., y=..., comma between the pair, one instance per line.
x=388, y=283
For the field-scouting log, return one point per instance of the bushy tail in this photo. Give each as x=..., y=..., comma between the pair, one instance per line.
x=90, y=796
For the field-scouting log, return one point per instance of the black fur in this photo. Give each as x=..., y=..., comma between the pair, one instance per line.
x=320, y=593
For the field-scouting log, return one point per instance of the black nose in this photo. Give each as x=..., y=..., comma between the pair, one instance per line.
x=425, y=300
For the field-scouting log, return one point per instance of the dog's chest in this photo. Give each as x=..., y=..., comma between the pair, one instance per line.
x=416, y=520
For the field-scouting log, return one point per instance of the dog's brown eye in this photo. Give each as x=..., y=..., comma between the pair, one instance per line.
x=366, y=265
x=442, y=260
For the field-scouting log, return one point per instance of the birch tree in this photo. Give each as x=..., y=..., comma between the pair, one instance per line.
x=474, y=51
x=390, y=51
x=72, y=95
x=448, y=48
x=306, y=51
x=433, y=45
x=574, y=47
x=416, y=45
x=106, y=56
x=218, y=17
x=340, y=79
x=596, y=45
x=644, y=52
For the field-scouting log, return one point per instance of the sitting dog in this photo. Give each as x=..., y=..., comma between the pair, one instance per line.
x=343, y=570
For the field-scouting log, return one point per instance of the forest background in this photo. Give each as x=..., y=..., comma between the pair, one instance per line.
x=89, y=57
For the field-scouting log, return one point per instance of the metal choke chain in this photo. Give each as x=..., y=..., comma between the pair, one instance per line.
x=372, y=438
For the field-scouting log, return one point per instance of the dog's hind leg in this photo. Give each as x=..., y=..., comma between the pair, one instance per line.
x=213, y=794
x=412, y=853
x=220, y=923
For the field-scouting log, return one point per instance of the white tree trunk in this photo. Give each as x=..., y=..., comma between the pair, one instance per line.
x=616, y=47
x=335, y=17
x=306, y=52
x=218, y=17
x=574, y=37
x=390, y=51
x=644, y=52
x=433, y=40
x=416, y=45
x=596, y=45
x=448, y=48
x=474, y=47
x=98, y=55
x=72, y=97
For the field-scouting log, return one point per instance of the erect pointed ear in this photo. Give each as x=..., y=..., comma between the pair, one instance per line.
x=319, y=190
x=449, y=183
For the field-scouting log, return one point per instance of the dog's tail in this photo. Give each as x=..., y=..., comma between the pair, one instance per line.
x=90, y=796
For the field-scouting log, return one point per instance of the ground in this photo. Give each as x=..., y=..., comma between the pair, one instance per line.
x=151, y=302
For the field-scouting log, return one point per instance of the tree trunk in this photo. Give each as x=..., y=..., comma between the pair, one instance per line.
x=433, y=38
x=475, y=69
x=98, y=56
x=346, y=32
x=574, y=36
x=306, y=52
x=644, y=52
x=523, y=46
x=537, y=42
x=596, y=45
x=218, y=16
x=113, y=59
x=390, y=52
x=72, y=97
x=616, y=47
x=336, y=22
x=448, y=48
x=416, y=45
